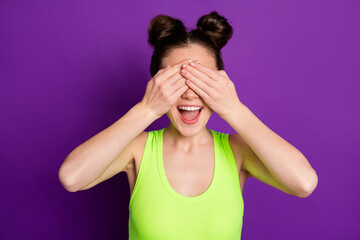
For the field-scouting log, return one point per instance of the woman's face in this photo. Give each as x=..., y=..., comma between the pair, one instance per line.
x=181, y=119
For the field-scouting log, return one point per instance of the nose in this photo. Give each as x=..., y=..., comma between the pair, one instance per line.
x=190, y=94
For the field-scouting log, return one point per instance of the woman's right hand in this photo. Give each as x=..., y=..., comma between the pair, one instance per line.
x=164, y=89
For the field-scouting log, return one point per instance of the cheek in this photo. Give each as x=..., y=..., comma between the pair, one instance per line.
x=208, y=111
x=172, y=112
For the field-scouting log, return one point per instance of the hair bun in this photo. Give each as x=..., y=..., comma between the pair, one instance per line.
x=216, y=27
x=163, y=27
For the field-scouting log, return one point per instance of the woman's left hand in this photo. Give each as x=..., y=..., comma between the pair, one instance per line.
x=213, y=86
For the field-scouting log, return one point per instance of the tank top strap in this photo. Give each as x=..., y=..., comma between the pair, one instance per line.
x=156, y=211
x=230, y=155
x=147, y=169
x=227, y=155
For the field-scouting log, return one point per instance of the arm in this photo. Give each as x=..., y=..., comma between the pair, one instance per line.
x=109, y=151
x=271, y=159
x=268, y=157
x=88, y=161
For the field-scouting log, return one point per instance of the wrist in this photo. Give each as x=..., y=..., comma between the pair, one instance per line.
x=236, y=110
x=147, y=112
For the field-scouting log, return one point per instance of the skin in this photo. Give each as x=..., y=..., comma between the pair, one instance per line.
x=184, y=136
x=259, y=152
x=188, y=149
x=265, y=155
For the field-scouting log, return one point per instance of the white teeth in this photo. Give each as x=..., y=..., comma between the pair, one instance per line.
x=189, y=108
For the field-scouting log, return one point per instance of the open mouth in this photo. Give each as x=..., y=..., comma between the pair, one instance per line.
x=189, y=114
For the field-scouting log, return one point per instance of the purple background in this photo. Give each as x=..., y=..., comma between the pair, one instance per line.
x=69, y=69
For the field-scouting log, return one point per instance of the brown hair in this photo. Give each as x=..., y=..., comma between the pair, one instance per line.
x=166, y=33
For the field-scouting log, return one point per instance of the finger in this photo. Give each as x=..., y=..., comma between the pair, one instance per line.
x=180, y=91
x=172, y=70
x=209, y=81
x=178, y=84
x=207, y=71
x=200, y=92
x=161, y=70
x=200, y=84
x=174, y=78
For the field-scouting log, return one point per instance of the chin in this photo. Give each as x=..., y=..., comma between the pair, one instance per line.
x=189, y=130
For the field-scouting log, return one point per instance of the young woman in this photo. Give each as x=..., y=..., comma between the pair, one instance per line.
x=186, y=180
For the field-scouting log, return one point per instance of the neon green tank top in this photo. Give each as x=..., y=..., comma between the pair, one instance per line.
x=157, y=211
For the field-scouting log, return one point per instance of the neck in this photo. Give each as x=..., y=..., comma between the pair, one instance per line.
x=187, y=143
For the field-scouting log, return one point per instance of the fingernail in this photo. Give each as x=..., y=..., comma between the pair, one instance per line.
x=193, y=64
x=184, y=66
x=192, y=60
